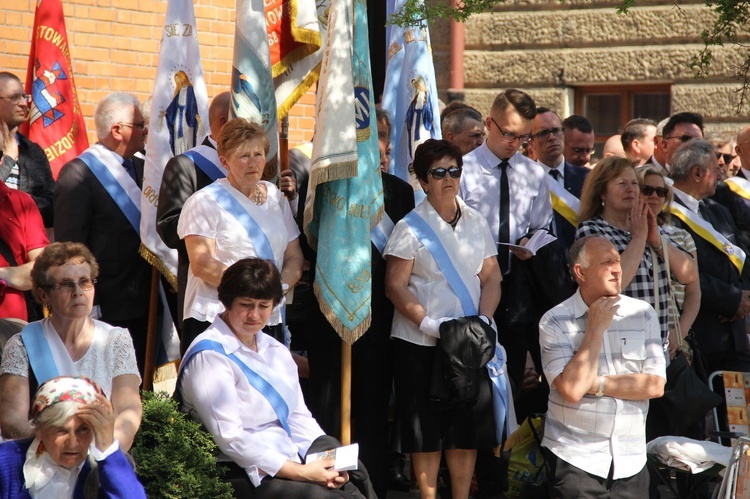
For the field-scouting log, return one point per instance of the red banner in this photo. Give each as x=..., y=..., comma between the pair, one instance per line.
x=55, y=118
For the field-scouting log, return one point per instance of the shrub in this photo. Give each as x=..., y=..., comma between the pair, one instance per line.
x=175, y=456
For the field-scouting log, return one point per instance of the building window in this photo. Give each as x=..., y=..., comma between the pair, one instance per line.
x=610, y=107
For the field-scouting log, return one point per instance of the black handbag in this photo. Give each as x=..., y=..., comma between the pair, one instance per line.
x=465, y=347
x=687, y=398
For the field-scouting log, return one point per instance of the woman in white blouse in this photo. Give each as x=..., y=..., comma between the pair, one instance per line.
x=236, y=217
x=423, y=299
x=77, y=345
x=243, y=386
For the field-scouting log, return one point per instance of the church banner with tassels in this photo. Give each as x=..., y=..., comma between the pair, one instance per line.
x=55, y=118
x=296, y=37
x=346, y=191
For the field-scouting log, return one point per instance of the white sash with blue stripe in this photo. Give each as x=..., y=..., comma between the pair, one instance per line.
x=207, y=159
x=116, y=181
x=380, y=233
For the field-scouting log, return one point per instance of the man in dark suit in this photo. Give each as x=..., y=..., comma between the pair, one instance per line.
x=547, y=140
x=23, y=164
x=85, y=212
x=637, y=139
x=720, y=325
x=181, y=179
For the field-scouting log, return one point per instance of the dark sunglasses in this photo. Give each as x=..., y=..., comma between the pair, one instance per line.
x=661, y=192
x=728, y=158
x=439, y=173
x=582, y=150
x=681, y=138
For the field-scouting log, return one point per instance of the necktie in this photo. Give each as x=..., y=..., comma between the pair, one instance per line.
x=555, y=174
x=503, y=252
x=130, y=168
x=702, y=210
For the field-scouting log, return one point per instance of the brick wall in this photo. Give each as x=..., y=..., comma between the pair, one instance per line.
x=114, y=45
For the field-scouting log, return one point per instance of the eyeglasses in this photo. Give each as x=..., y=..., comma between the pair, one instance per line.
x=728, y=157
x=582, y=150
x=511, y=137
x=85, y=283
x=439, y=173
x=681, y=138
x=661, y=192
x=16, y=98
x=544, y=134
x=140, y=125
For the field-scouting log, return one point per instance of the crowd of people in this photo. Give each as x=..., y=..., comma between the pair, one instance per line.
x=586, y=322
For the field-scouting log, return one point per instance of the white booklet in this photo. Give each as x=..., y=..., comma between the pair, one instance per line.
x=344, y=458
x=540, y=239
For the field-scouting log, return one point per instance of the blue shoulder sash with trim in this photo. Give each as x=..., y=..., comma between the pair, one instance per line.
x=265, y=388
x=206, y=165
x=225, y=199
x=381, y=232
x=113, y=187
x=432, y=242
x=39, y=352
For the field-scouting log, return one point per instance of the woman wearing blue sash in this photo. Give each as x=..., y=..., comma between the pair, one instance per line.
x=440, y=246
x=243, y=386
x=236, y=217
x=69, y=343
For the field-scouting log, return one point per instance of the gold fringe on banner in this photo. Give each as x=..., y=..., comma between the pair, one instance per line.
x=155, y=261
x=345, y=334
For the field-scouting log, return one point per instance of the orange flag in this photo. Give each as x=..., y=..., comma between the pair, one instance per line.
x=55, y=121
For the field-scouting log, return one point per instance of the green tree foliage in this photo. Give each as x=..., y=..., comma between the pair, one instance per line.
x=730, y=27
x=175, y=456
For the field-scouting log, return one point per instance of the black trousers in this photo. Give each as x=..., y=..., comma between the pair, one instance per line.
x=567, y=481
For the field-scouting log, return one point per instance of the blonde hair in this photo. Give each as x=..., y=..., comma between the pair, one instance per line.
x=641, y=173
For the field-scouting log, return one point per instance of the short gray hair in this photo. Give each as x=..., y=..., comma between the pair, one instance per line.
x=115, y=108
x=577, y=253
x=697, y=152
x=55, y=415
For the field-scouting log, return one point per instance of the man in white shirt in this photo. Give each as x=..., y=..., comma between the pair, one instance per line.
x=527, y=208
x=602, y=352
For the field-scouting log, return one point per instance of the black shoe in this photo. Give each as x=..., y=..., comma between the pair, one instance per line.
x=398, y=481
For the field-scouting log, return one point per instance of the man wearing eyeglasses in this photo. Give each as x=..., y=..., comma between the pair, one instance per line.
x=579, y=140
x=513, y=217
x=547, y=139
x=97, y=203
x=23, y=164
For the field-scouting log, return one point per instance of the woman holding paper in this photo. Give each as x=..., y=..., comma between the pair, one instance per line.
x=420, y=287
x=611, y=207
x=243, y=386
x=69, y=343
x=236, y=217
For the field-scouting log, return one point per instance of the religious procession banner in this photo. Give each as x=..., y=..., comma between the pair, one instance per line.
x=410, y=93
x=346, y=191
x=55, y=120
x=178, y=122
x=296, y=38
x=252, y=88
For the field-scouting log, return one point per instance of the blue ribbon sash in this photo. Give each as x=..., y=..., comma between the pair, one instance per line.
x=260, y=241
x=206, y=165
x=118, y=193
x=431, y=241
x=279, y=405
x=381, y=232
x=38, y=352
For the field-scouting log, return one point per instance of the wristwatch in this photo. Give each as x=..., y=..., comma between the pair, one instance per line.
x=600, y=392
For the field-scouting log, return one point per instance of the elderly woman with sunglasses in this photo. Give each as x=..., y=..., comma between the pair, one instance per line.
x=423, y=298
x=611, y=206
x=659, y=196
x=73, y=452
x=70, y=343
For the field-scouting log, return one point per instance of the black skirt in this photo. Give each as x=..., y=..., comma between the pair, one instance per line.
x=423, y=428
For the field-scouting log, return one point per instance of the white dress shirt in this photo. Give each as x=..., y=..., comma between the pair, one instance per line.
x=560, y=169
x=530, y=205
x=242, y=421
x=690, y=202
x=597, y=432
